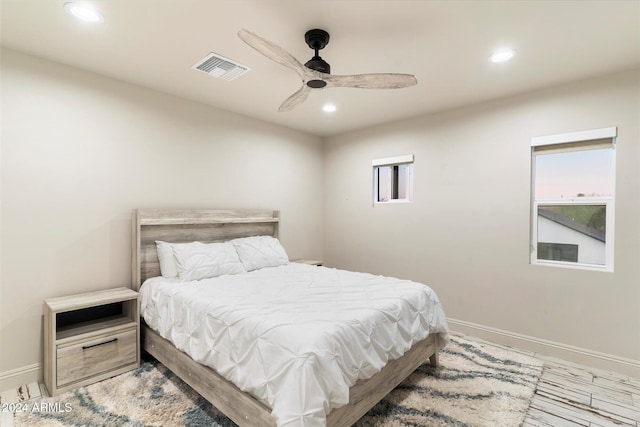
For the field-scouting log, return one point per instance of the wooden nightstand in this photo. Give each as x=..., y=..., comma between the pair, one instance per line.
x=308, y=261
x=90, y=337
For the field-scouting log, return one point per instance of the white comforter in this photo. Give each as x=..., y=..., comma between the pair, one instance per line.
x=295, y=336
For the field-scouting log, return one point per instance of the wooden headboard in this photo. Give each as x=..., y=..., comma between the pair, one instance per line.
x=179, y=226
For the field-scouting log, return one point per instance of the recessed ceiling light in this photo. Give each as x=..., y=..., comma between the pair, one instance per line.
x=84, y=12
x=502, y=55
x=329, y=108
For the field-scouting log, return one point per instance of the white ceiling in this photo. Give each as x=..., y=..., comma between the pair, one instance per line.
x=446, y=44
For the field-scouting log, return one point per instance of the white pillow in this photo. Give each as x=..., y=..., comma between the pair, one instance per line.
x=197, y=260
x=168, y=267
x=260, y=251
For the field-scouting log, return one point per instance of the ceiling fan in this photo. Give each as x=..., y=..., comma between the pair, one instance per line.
x=316, y=73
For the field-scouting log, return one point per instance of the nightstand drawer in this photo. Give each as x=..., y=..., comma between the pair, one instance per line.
x=84, y=359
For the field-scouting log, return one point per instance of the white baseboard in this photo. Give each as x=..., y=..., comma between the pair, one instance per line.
x=571, y=353
x=19, y=376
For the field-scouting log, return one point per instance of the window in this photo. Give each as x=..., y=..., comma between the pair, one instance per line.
x=393, y=179
x=572, y=199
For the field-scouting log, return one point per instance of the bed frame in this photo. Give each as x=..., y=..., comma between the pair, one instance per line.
x=178, y=226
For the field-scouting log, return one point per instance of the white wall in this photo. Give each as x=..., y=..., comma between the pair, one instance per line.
x=467, y=232
x=80, y=151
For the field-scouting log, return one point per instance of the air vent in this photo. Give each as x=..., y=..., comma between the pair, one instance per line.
x=218, y=66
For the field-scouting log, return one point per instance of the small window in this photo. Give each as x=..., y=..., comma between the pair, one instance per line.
x=572, y=199
x=393, y=179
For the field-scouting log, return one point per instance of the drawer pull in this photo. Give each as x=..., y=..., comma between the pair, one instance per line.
x=85, y=347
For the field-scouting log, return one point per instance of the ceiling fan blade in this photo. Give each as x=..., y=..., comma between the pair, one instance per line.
x=372, y=81
x=296, y=99
x=273, y=52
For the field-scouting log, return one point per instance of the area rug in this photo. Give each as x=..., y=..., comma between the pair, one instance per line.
x=477, y=385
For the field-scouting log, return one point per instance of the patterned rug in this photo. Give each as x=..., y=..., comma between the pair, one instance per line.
x=477, y=385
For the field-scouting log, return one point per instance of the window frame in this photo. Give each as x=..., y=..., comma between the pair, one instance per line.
x=391, y=162
x=574, y=141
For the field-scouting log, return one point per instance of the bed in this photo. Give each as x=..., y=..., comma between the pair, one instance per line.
x=253, y=408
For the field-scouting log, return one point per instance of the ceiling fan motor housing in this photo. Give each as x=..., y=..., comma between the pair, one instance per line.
x=318, y=64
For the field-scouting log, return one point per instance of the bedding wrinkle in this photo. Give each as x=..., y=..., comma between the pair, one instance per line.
x=296, y=337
